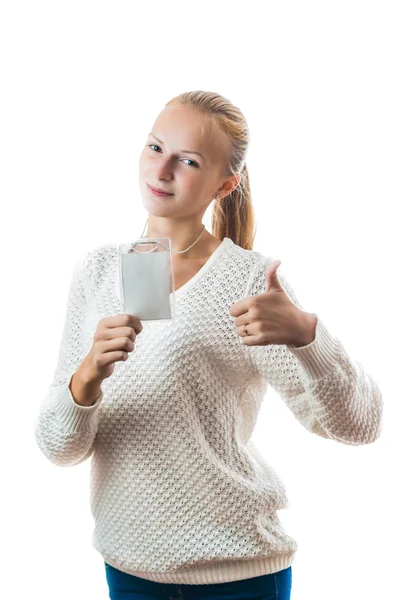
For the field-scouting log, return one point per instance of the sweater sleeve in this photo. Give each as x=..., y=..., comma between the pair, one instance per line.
x=329, y=393
x=64, y=430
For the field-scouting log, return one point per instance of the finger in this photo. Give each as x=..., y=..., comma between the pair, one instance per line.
x=239, y=308
x=253, y=340
x=242, y=320
x=248, y=327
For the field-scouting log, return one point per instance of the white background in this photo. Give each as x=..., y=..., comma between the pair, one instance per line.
x=319, y=84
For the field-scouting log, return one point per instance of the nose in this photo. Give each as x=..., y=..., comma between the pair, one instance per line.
x=163, y=169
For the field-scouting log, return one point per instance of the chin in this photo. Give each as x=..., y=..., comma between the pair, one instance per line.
x=156, y=207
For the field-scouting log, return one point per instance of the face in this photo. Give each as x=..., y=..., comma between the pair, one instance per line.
x=166, y=163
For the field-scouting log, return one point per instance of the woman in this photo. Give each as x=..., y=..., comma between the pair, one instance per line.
x=184, y=505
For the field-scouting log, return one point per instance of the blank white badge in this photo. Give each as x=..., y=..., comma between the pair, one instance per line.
x=144, y=278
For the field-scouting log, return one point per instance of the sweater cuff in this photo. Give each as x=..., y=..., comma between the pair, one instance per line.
x=319, y=357
x=71, y=415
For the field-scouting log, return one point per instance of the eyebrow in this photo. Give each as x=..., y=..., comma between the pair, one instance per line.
x=186, y=151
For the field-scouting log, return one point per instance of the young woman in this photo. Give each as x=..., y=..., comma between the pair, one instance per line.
x=184, y=505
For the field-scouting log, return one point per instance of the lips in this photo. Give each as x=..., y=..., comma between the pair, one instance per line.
x=158, y=190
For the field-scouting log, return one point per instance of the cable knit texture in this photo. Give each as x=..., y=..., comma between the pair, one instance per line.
x=179, y=492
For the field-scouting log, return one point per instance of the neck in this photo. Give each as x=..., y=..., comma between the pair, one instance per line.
x=182, y=235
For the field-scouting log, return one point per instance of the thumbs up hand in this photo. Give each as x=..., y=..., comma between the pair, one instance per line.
x=272, y=317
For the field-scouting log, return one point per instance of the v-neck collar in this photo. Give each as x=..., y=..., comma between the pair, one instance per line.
x=204, y=268
x=191, y=282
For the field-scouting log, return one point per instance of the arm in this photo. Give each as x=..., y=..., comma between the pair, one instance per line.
x=64, y=429
x=326, y=390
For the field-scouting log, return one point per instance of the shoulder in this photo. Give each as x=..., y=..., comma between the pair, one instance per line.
x=250, y=260
x=96, y=259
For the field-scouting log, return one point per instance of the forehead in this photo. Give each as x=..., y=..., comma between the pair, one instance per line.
x=182, y=127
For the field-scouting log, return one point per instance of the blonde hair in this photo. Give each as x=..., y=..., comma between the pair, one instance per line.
x=233, y=216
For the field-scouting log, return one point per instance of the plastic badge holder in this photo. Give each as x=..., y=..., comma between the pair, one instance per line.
x=147, y=278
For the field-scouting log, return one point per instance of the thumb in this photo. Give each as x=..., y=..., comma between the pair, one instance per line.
x=273, y=283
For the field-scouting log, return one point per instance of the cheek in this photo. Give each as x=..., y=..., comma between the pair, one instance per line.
x=142, y=160
x=147, y=166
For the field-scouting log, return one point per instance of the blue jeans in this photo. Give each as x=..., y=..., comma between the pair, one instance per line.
x=274, y=586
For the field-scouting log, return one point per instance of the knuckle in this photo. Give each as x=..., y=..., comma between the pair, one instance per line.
x=129, y=344
x=131, y=333
x=253, y=311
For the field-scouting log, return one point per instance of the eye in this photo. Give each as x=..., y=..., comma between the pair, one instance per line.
x=191, y=161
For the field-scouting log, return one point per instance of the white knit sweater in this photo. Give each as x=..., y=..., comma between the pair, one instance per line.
x=179, y=492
